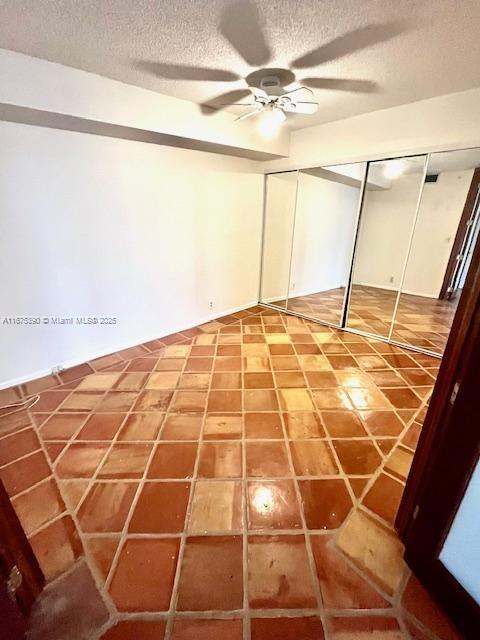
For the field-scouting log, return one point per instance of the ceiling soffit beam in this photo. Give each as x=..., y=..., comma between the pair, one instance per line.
x=52, y=120
x=42, y=93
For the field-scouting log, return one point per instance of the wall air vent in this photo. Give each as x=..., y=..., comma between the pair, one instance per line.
x=433, y=177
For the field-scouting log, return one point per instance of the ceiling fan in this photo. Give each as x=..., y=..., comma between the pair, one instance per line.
x=271, y=100
x=241, y=25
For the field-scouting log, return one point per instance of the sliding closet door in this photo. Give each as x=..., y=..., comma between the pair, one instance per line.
x=281, y=194
x=445, y=233
x=325, y=226
x=389, y=208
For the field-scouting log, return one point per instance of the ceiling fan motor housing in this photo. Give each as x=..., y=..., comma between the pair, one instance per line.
x=271, y=85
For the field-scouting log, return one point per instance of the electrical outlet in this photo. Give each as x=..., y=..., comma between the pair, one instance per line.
x=293, y=286
x=210, y=304
x=391, y=279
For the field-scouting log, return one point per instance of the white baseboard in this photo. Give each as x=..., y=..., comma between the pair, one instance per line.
x=375, y=286
x=387, y=288
x=420, y=295
x=67, y=364
x=271, y=300
x=297, y=294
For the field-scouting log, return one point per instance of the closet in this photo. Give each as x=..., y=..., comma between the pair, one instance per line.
x=379, y=248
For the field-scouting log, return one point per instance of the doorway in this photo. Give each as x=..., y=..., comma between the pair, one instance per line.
x=467, y=236
x=438, y=516
x=21, y=579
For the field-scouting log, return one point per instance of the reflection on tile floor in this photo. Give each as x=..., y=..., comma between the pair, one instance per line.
x=420, y=321
x=235, y=480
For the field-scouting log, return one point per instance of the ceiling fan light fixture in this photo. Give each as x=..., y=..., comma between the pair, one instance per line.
x=394, y=169
x=270, y=121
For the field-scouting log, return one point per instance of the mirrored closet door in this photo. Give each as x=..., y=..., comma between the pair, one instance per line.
x=444, y=237
x=310, y=227
x=389, y=208
x=381, y=248
x=325, y=226
x=279, y=218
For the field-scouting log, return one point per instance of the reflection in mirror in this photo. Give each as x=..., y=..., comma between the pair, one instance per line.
x=444, y=237
x=325, y=225
x=388, y=212
x=281, y=192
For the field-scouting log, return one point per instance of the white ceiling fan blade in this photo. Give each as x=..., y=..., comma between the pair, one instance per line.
x=259, y=92
x=212, y=106
x=343, y=84
x=300, y=93
x=248, y=115
x=306, y=107
x=299, y=107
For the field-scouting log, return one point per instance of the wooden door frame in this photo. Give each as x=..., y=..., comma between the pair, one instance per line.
x=441, y=468
x=464, y=332
x=460, y=235
x=15, y=550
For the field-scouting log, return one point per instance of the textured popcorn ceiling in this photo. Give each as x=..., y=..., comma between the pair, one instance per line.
x=437, y=52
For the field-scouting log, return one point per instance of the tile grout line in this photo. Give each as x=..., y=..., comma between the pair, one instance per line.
x=245, y=506
x=123, y=534
x=141, y=480
x=113, y=441
x=184, y=534
x=383, y=469
x=69, y=512
x=310, y=559
x=243, y=441
x=100, y=580
x=357, y=504
x=355, y=501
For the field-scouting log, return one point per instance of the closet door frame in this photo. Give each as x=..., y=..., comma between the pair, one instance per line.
x=264, y=234
x=462, y=232
x=348, y=292
x=351, y=257
x=388, y=339
x=348, y=288
x=347, y=298
x=409, y=247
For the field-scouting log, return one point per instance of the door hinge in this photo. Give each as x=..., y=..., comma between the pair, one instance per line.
x=14, y=581
x=454, y=395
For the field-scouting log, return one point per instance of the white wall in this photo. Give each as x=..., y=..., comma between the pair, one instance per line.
x=446, y=122
x=99, y=226
x=325, y=224
x=437, y=223
x=384, y=234
x=461, y=551
x=387, y=224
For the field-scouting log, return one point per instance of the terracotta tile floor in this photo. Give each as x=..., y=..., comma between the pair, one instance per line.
x=235, y=480
x=421, y=322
